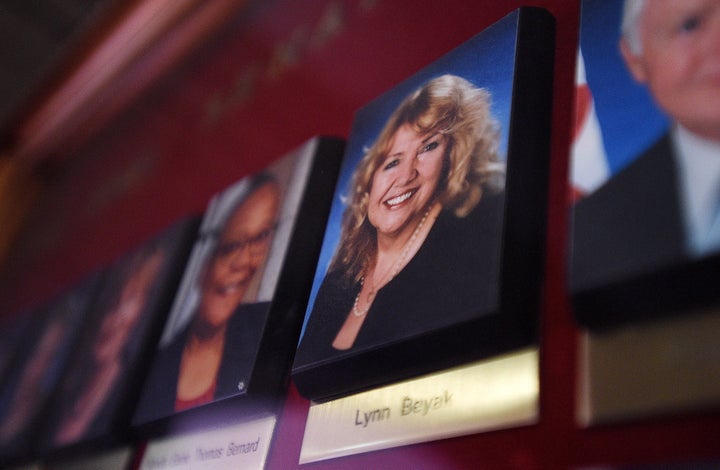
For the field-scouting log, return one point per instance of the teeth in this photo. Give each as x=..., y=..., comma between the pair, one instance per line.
x=398, y=199
x=227, y=290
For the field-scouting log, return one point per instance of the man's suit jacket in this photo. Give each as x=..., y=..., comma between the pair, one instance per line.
x=631, y=225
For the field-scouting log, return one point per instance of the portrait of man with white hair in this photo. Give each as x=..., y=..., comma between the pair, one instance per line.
x=662, y=208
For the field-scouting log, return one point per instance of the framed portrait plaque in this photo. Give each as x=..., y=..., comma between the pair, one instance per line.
x=645, y=250
x=39, y=364
x=225, y=352
x=92, y=405
x=646, y=170
x=433, y=253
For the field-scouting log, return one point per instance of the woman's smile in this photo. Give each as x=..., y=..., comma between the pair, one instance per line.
x=397, y=200
x=231, y=288
x=406, y=181
x=241, y=251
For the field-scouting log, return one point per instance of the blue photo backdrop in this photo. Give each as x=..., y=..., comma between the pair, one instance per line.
x=487, y=60
x=629, y=119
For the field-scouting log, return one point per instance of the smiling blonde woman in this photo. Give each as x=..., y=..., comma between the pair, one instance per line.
x=420, y=237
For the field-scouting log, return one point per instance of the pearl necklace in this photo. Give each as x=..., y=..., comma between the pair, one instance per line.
x=396, y=269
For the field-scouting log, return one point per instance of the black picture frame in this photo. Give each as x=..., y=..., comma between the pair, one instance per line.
x=272, y=320
x=513, y=60
x=629, y=259
x=93, y=402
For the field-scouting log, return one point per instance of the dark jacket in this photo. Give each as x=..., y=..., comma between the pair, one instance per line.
x=454, y=276
x=240, y=351
x=631, y=225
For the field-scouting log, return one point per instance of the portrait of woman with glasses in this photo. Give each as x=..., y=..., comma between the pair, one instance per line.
x=211, y=355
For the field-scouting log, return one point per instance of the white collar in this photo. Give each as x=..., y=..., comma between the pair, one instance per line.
x=698, y=160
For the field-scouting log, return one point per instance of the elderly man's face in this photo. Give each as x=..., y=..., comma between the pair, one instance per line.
x=680, y=61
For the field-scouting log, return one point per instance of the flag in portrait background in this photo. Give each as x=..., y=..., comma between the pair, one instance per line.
x=589, y=165
x=616, y=117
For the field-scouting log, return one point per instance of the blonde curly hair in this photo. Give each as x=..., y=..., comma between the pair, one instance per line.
x=448, y=105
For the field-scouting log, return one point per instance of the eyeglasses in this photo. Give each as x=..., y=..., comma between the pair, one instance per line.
x=257, y=244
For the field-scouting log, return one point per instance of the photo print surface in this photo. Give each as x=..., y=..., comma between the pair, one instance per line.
x=213, y=347
x=40, y=363
x=100, y=386
x=646, y=160
x=414, y=243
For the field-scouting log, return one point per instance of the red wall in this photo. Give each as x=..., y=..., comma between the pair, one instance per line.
x=280, y=74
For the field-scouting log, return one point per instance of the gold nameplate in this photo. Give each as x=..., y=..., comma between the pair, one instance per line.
x=650, y=369
x=491, y=394
x=241, y=446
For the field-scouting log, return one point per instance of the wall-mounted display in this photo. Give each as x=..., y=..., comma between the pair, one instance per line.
x=646, y=174
x=433, y=253
x=99, y=389
x=646, y=227
x=495, y=393
x=38, y=367
x=241, y=445
x=232, y=329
